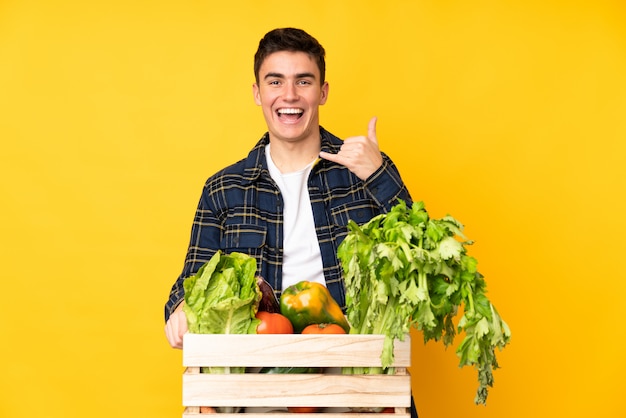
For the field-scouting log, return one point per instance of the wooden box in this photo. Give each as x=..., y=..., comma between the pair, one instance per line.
x=337, y=393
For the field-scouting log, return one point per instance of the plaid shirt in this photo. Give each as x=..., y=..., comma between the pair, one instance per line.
x=241, y=210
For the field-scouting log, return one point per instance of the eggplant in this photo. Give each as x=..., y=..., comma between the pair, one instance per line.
x=269, y=302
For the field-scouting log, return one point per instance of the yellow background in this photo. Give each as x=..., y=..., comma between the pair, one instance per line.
x=509, y=115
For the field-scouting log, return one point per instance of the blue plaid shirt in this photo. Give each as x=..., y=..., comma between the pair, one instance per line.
x=241, y=210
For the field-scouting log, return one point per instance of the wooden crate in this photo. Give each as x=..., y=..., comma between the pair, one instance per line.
x=336, y=392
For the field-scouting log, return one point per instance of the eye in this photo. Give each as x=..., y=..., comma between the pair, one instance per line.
x=304, y=82
x=274, y=83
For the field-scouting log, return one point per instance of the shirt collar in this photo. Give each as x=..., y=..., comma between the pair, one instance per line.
x=256, y=163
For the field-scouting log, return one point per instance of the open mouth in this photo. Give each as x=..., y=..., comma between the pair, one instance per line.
x=289, y=114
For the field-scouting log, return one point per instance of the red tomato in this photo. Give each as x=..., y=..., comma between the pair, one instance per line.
x=207, y=410
x=273, y=323
x=323, y=329
x=303, y=409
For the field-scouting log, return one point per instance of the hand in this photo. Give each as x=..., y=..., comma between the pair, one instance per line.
x=360, y=154
x=176, y=327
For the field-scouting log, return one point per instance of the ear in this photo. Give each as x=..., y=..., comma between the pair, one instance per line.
x=324, y=93
x=257, y=94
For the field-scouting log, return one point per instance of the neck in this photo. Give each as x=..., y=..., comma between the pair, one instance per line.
x=293, y=157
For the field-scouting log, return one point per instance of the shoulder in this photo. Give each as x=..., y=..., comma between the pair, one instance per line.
x=243, y=171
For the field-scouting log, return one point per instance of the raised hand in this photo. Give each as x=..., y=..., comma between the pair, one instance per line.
x=360, y=154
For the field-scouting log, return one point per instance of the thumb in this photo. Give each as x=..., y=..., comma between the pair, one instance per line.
x=371, y=129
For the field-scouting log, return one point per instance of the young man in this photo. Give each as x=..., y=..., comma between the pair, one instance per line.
x=288, y=203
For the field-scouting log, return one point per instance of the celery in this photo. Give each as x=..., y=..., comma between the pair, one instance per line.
x=404, y=270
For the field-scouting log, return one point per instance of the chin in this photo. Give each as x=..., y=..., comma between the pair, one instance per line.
x=291, y=134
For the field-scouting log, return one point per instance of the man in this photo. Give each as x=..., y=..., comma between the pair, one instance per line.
x=287, y=204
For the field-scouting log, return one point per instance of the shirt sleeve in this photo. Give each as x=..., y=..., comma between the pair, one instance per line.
x=386, y=187
x=203, y=244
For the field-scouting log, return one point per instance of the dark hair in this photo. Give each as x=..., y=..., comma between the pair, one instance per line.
x=290, y=39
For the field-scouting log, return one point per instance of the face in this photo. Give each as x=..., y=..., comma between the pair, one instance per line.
x=290, y=94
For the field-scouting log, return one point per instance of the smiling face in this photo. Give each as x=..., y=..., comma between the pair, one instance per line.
x=290, y=92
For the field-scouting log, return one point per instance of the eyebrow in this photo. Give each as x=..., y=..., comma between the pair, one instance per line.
x=279, y=75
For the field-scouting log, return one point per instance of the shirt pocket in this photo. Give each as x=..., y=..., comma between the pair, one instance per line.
x=241, y=237
x=360, y=211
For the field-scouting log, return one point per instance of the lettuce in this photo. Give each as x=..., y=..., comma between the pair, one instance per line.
x=222, y=297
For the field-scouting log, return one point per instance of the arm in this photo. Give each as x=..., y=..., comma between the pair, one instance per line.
x=386, y=186
x=204, y=242
x=362, y=156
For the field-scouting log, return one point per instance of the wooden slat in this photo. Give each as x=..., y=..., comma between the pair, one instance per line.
x=281, y=414
x=293, y=350
x=282, y=390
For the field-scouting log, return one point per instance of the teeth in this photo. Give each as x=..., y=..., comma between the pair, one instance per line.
x=290, y=111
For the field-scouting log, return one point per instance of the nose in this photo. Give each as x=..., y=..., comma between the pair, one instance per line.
x=290, y=92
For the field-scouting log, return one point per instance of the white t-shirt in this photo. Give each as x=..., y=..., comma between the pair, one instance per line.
x=302, y=259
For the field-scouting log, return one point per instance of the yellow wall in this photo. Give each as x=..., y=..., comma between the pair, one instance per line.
x=509, y=115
